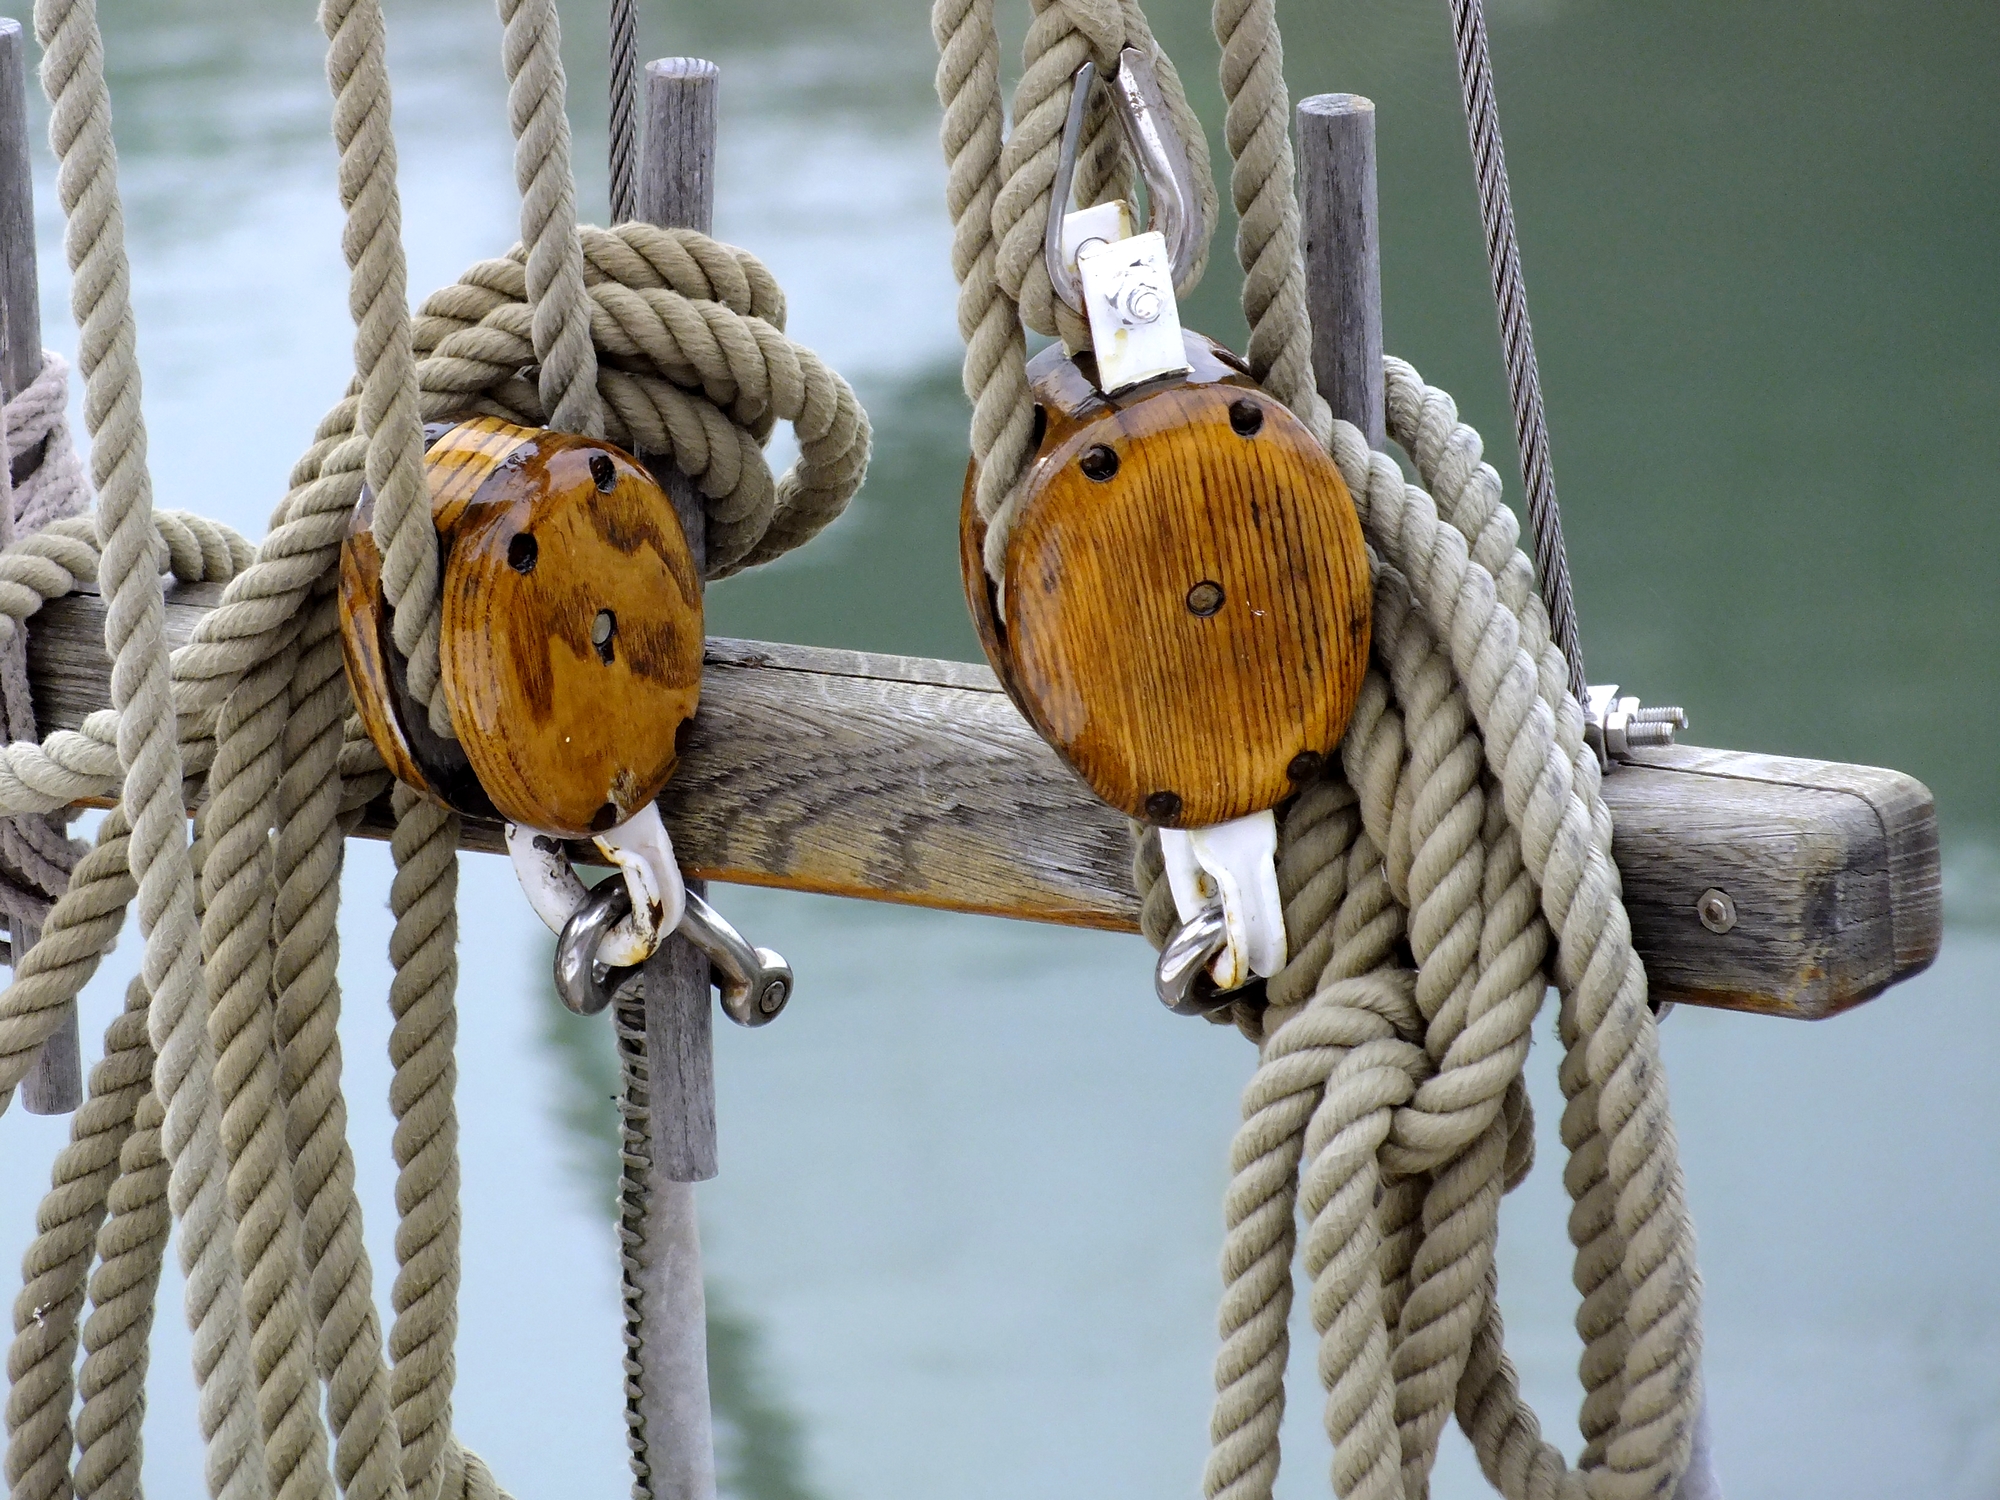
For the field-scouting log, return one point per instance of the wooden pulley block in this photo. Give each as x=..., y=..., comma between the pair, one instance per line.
x=571, y=631
x=1185, y=609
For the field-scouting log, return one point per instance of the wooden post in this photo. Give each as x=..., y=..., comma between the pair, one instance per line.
x=1343, y=256
x=677, y=190
x=54, y=1083
x=1344, y=294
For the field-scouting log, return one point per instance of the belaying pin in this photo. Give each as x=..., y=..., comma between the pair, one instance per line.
x=1182, y=604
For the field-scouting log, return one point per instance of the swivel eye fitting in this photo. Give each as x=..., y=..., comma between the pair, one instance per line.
x=1175, y=508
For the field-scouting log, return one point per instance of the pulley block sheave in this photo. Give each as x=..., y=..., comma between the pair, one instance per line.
x=1184, y=608
x=571, y=632
x=570, y=656
x=1180, y=602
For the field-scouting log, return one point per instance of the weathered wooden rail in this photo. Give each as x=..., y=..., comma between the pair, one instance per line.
x=908, y=780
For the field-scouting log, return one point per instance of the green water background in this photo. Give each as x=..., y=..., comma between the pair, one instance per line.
x=964, y=1238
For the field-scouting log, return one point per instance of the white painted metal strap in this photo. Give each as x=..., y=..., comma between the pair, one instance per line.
x=1128, y=295
x=1233, y=864
x=644, y=855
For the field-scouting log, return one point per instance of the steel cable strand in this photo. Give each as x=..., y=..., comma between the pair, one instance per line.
x=378, y=299
x=56, y=1267
x=624, y=80
x=237, y=891
x=635, y=1160
x=124, y=1292
x=1550, y=791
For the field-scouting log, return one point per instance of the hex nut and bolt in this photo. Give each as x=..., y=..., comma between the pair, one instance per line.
x=1716, y=910
x=1138, y=298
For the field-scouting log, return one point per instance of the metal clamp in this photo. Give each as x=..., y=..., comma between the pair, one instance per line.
x=1614, y=727
x=755, y=982
x=1173, y=205
x=1225, y=884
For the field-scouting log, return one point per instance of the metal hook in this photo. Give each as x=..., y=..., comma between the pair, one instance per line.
x=1173, y=205
x=755, y=982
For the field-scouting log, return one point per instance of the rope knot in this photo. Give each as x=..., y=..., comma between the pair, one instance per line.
x=693, y=365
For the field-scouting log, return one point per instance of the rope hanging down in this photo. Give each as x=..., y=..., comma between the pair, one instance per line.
x=1468, y=834
x=218, y=1101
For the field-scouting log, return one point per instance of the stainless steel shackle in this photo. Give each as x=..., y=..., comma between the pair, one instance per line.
x=1173, y=205
x=755, y=982
x=1180, y=978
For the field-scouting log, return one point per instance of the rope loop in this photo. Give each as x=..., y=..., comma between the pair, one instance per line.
x=1389, y=1108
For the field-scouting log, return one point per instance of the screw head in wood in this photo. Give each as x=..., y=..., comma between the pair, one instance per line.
x=1205, y=598
x=601, y=630
x=1716, y=910
x=1305, y=765
x=1163, y=807
x=1246, y=417
x=522, y=552
x=603, y=472
x=1098, y=463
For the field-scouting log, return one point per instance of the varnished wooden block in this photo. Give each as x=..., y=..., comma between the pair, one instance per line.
x=571, y=631
x=1185, y=614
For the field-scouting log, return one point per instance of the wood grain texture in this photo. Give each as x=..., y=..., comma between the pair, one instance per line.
x=1343, y=256
x=1187, y=593
x=898, y=779
x=677, y=190
x=19, y=284
x=571, y=643
x=53, y=1084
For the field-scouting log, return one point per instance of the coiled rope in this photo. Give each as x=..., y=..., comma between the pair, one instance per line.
x=1468, y=834
x=218, y=1100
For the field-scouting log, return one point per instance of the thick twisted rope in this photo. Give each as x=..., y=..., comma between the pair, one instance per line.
x=1392, y=1113
x=378, y=297
x=148, y=752
x=683, y=346
x=532, y=51
x=998, y=196
x=1480, y=856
